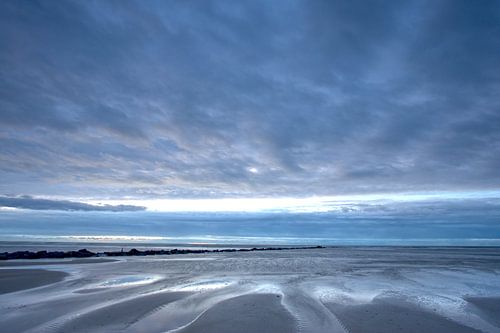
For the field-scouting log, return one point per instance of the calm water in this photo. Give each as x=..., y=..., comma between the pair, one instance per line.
x=162, y=229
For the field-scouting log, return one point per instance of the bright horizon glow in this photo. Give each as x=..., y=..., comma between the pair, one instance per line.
x=295, y=205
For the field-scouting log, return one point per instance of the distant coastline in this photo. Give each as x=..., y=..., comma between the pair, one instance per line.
x=84, y=253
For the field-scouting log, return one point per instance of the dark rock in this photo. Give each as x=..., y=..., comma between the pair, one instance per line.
x=84, y=253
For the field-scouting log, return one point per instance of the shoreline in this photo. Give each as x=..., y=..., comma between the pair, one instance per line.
x=84, y=253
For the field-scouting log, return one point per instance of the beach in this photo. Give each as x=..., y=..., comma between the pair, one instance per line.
x=344, y=289
x=19, y=279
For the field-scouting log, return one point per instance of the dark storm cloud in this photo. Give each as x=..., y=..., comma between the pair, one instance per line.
x=28, y=202
x=257, y=98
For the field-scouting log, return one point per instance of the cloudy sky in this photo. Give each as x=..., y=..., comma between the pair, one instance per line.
x=247, y=99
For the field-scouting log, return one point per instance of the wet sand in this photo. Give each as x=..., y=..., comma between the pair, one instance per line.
x=42, y=262
x=349, y=290
x=489, y=308
x=121, y=315
x=393, y=315
x=261, y=313
x=12, y=280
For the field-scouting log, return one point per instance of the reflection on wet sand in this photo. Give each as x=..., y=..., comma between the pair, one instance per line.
x=323, y=290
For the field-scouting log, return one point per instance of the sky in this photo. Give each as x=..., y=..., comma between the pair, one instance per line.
x=117, y=105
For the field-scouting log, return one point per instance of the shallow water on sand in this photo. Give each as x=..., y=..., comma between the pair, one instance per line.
x=363, y=289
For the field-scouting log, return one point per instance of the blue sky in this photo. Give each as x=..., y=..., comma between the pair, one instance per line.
x=118, y=105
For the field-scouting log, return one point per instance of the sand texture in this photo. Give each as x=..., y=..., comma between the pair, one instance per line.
x=393, y=315
x=12, y=280
x=349, y=290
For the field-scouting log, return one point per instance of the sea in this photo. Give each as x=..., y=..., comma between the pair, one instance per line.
x=56, y=230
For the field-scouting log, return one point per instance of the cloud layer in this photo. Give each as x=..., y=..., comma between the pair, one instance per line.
x=428, y=222
x=154, y=99
x=28, y=202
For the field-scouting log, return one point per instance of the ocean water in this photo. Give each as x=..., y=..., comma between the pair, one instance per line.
x=222, y=229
